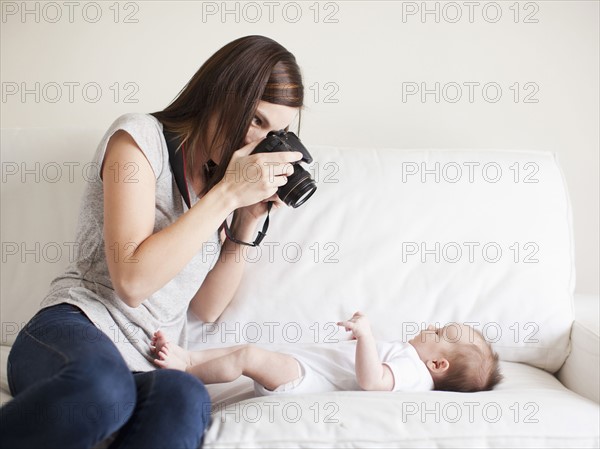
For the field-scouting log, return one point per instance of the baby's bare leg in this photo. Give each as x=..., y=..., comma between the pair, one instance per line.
x=200, y=357
x=270, y=369
x=173, y=356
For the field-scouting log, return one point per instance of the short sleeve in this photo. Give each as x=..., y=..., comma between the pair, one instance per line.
x=410, y=373
x=146, y=131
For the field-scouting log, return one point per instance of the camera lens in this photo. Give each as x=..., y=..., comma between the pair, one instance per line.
x=299, y=188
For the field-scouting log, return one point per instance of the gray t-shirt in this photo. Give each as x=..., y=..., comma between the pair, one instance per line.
x=86, y=282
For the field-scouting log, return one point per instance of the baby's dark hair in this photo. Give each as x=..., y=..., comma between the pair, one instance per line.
x=471, y=367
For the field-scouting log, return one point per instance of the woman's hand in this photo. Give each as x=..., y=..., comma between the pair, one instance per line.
x=255, y=212
x=246, y=219
x=251, y=179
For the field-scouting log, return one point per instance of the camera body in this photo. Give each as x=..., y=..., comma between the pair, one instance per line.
x=300, y=186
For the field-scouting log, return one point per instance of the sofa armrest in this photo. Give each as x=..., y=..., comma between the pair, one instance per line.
x=580, y=373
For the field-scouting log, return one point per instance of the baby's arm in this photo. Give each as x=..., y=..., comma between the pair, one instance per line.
x=371, y=374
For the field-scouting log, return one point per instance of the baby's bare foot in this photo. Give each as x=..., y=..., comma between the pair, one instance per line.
x=159, y=339
x=170, y=355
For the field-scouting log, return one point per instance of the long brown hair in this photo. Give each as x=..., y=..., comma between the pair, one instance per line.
x=225, y=93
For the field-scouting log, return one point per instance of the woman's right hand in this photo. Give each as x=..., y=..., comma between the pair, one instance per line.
x=252, y=178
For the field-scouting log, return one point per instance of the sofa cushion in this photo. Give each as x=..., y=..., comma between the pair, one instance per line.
x=526, y=410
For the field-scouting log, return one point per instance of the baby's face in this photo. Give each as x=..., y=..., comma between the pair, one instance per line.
x=432, y=343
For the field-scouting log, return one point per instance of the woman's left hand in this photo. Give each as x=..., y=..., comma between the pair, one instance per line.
x=254, y=213
x=246, y=219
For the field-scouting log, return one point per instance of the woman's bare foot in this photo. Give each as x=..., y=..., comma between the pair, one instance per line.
x=169, y=355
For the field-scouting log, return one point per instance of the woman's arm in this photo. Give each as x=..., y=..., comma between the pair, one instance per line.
x=221, y=283
x=140, y=262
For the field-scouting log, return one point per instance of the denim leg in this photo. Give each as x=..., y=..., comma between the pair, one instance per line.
x=172, y=411
x=70, y=384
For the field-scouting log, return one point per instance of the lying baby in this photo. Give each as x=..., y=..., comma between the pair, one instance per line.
x=453, y=358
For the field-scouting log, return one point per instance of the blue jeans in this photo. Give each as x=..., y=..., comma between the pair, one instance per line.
x=72, y=389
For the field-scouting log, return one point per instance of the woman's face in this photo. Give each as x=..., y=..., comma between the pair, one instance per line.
x=269, y=117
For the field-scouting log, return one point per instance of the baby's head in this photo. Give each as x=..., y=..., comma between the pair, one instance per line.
x=458, y=358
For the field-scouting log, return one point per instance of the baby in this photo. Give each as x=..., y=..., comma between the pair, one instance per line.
x=454, y=358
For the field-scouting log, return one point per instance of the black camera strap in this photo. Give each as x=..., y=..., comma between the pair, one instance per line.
x=261, y=234
x=177, y=163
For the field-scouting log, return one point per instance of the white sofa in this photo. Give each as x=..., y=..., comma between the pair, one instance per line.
x=498, y=222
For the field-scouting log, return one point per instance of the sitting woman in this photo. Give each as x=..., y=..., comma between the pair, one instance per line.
x=82, y=359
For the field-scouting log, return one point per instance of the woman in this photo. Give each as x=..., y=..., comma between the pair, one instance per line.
x=81, y=369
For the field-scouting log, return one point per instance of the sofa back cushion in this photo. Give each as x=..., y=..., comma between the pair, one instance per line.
x=44, y=171
x=411, y=238
x=407, y=237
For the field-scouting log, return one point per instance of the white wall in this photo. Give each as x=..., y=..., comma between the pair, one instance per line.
x=368, y=52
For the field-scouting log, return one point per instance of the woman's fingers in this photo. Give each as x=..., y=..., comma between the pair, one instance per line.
x=245, y=150
x=284, y=169
x=277, y=203
x=252, y=178
x=280, y=180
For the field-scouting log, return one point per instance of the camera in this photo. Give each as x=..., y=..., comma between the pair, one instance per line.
x=300, y=186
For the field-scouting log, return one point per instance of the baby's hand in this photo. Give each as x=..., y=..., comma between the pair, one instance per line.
x=358, y=324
